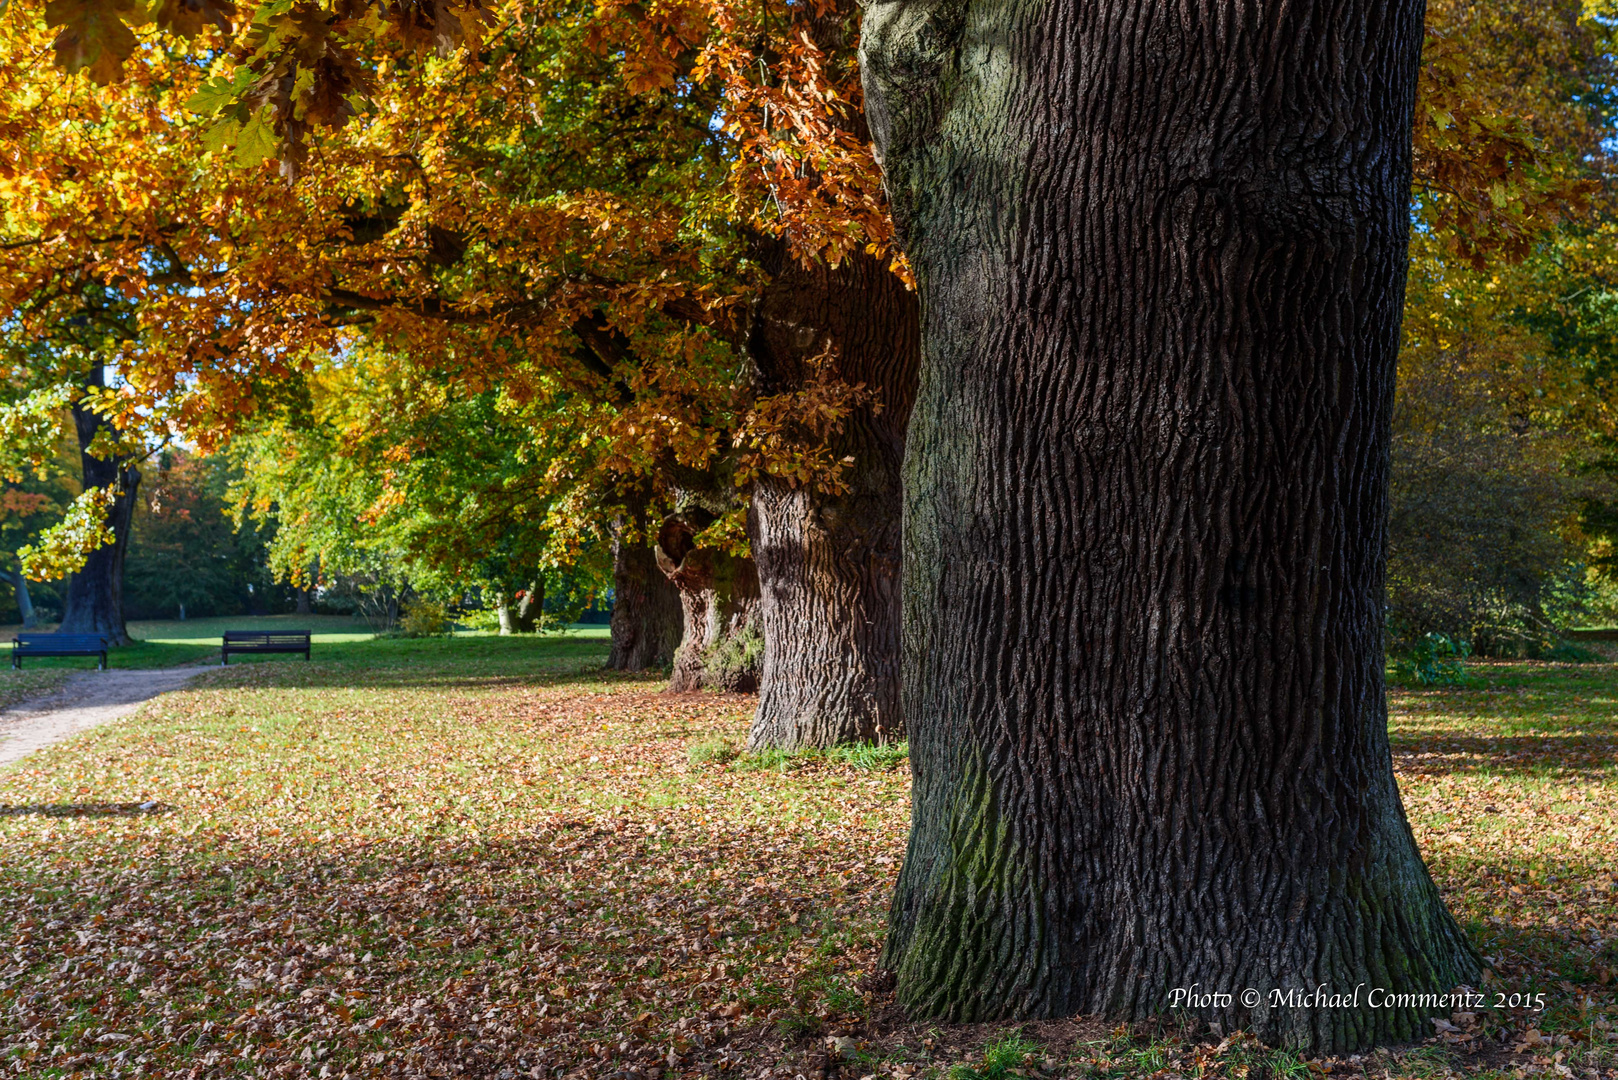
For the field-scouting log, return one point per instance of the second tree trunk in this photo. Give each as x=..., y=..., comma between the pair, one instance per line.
x=828, y=564
x=719, y=649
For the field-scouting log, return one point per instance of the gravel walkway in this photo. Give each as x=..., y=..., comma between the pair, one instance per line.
x=88, y=699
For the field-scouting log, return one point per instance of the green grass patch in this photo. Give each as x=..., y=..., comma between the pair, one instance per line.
x=1010, y=1053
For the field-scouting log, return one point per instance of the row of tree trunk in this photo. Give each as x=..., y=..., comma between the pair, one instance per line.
x=1161, y=259
x=811, y=619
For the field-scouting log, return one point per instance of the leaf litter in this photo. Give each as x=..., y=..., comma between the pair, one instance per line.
x=291, y=871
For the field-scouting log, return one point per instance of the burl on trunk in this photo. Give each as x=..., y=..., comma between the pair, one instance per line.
x=1161, y=255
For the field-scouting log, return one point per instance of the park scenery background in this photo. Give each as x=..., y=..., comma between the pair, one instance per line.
x=713, y=674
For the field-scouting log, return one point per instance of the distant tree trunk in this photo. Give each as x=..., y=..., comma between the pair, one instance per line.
x=530, y=607
x=517, y=612
x=94, y=600
x=1161, y=254
x=719, y=604
x=646, y=611
x=25, y=603
x=828, y=565
x=304, y=607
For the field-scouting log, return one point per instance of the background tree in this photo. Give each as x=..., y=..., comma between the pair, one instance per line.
x=801, y=222
x=187, y=558
x=1502, y=376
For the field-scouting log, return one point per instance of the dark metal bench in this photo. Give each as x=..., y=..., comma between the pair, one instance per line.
x=58, y=645
x=264, y=641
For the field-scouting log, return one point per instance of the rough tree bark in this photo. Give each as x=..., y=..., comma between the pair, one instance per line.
x=1161, y=253
x=646, y=611
x=94, y=597
x=828, y=565
x=719, y=603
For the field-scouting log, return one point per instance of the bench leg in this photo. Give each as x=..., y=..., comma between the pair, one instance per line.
x=103, y=666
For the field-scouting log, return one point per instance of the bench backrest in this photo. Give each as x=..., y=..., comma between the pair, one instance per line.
x=267, y=637
x=61, y=641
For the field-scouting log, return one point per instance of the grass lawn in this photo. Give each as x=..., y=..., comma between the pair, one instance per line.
x=339, y=639
x=485, y=857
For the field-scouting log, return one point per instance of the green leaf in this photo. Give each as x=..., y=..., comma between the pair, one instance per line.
x=221, y=135
x=217, y=92
x=257, y=142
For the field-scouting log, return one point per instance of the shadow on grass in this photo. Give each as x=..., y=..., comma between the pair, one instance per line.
x=403, y=948
x=1457, y=755
x=86, y=810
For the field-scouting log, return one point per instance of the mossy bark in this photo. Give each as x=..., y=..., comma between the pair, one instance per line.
x=1161, y=252
x=719, y=601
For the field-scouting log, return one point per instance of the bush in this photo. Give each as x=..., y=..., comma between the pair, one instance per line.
x=484, y=619
x=1565, y=652
x=1483, y=533
x=425, y=618
x=1435, y=660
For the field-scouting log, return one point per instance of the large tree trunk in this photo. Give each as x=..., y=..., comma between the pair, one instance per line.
x=646, y=612
x=1161, y=256
x=828, y=565
x=719, y=603
x=94, y=600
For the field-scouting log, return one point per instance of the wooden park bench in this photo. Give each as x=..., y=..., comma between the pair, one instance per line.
x=58, y=645
x=264, y=641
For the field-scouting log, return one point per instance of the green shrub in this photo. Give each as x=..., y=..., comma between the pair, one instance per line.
x=1435, y=660
x=425, y=618
x=1566, y=652
x=485, y=619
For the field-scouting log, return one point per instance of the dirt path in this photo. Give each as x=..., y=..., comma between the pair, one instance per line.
x=88, y=699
